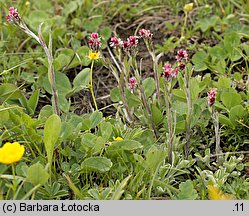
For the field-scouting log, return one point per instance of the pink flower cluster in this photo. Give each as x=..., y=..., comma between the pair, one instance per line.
x=144, y=33
x=211, y=97
x=182, y=55
x=116, y=42
x=132, y=41
x=94, y=42
x=169, y=72
x=13, y=15
x=132, y=83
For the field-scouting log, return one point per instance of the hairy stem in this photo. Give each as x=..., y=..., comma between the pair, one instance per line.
x=189, y=112
x=215, y=118
x=170, y=123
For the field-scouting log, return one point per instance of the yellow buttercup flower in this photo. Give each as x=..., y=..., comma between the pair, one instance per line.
x=188, y=7
x=93, y=55
x=11, y=153
x=118, y=139
x=215, y=193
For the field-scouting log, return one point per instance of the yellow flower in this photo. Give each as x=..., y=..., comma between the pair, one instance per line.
x=188, y=7
x=215, y=193
x=11, y=153
x=118, y=139
x=93, y=55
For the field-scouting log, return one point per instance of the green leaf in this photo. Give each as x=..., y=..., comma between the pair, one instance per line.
x=52, y=130
x=120, y=189
x=128, y=145
x=69, y=8
x=133, y=100
x=105, y=130
x=61, y=61
x=33, y=100
x=147, y=138
x=45, y=112
x=63, y=84
x=36, y=17
x=157, y=115
x=115, y=95
x=36, y=174
x=199, y=61
x=4, y=115
x=187, y=191
x=82, y=80
x=83, y=53
x=180, y=107
x=236, y=113
x=223, y=83
x=224, y=120
x=96, y=117
x=96, y=164
x=64, y=103
x=231, y=44
x=9, y=91
x=154, y=157
x=218, y=52
x=230, y=99
x=149, y=86
x=87, y=142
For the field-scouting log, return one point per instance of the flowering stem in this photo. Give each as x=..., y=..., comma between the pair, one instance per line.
x=189, y=112
x=215, y=118
x=91, y=86
x=51, y=73
x=48, y=53
x=155, y=69
x=170, y=124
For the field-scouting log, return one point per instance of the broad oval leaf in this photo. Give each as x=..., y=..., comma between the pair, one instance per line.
x=96, y=164
x=128, y=145
x=149, y=86
x=82, y=79
x=36, y=174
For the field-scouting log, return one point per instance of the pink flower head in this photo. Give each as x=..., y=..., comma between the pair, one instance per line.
x=211, y=97
x=94, y=42
x=181, y=55
x=175, y=72
x=13, y=15
x=167, y=71
x=144, y=33
x=94, y=35
x=182, y=66
x=116, y=42
x=133, y=41
x=126, y=45
x=132, y=83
